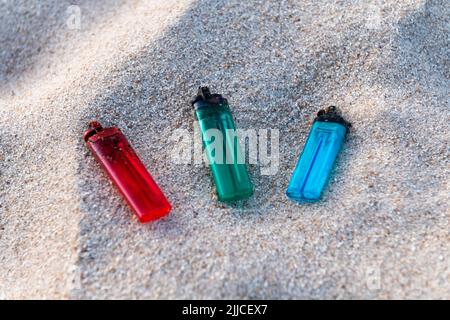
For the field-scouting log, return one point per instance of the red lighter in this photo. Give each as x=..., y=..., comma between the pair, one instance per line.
x=118, y=159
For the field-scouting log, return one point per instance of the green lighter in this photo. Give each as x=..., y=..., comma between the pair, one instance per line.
x=221, y=145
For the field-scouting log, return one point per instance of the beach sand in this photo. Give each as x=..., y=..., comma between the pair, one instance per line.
x=382, y=228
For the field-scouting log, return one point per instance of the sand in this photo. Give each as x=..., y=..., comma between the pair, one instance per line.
x=382, y=228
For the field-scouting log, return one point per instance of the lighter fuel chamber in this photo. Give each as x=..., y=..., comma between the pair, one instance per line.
x=123, y=166
x=319, y=154
x=216, y=124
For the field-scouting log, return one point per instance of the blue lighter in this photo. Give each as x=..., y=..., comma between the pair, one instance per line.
x=316, y=161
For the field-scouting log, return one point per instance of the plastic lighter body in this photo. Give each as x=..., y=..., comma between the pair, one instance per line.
x=319, y=154
x=118, y=159
x=229, y=171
